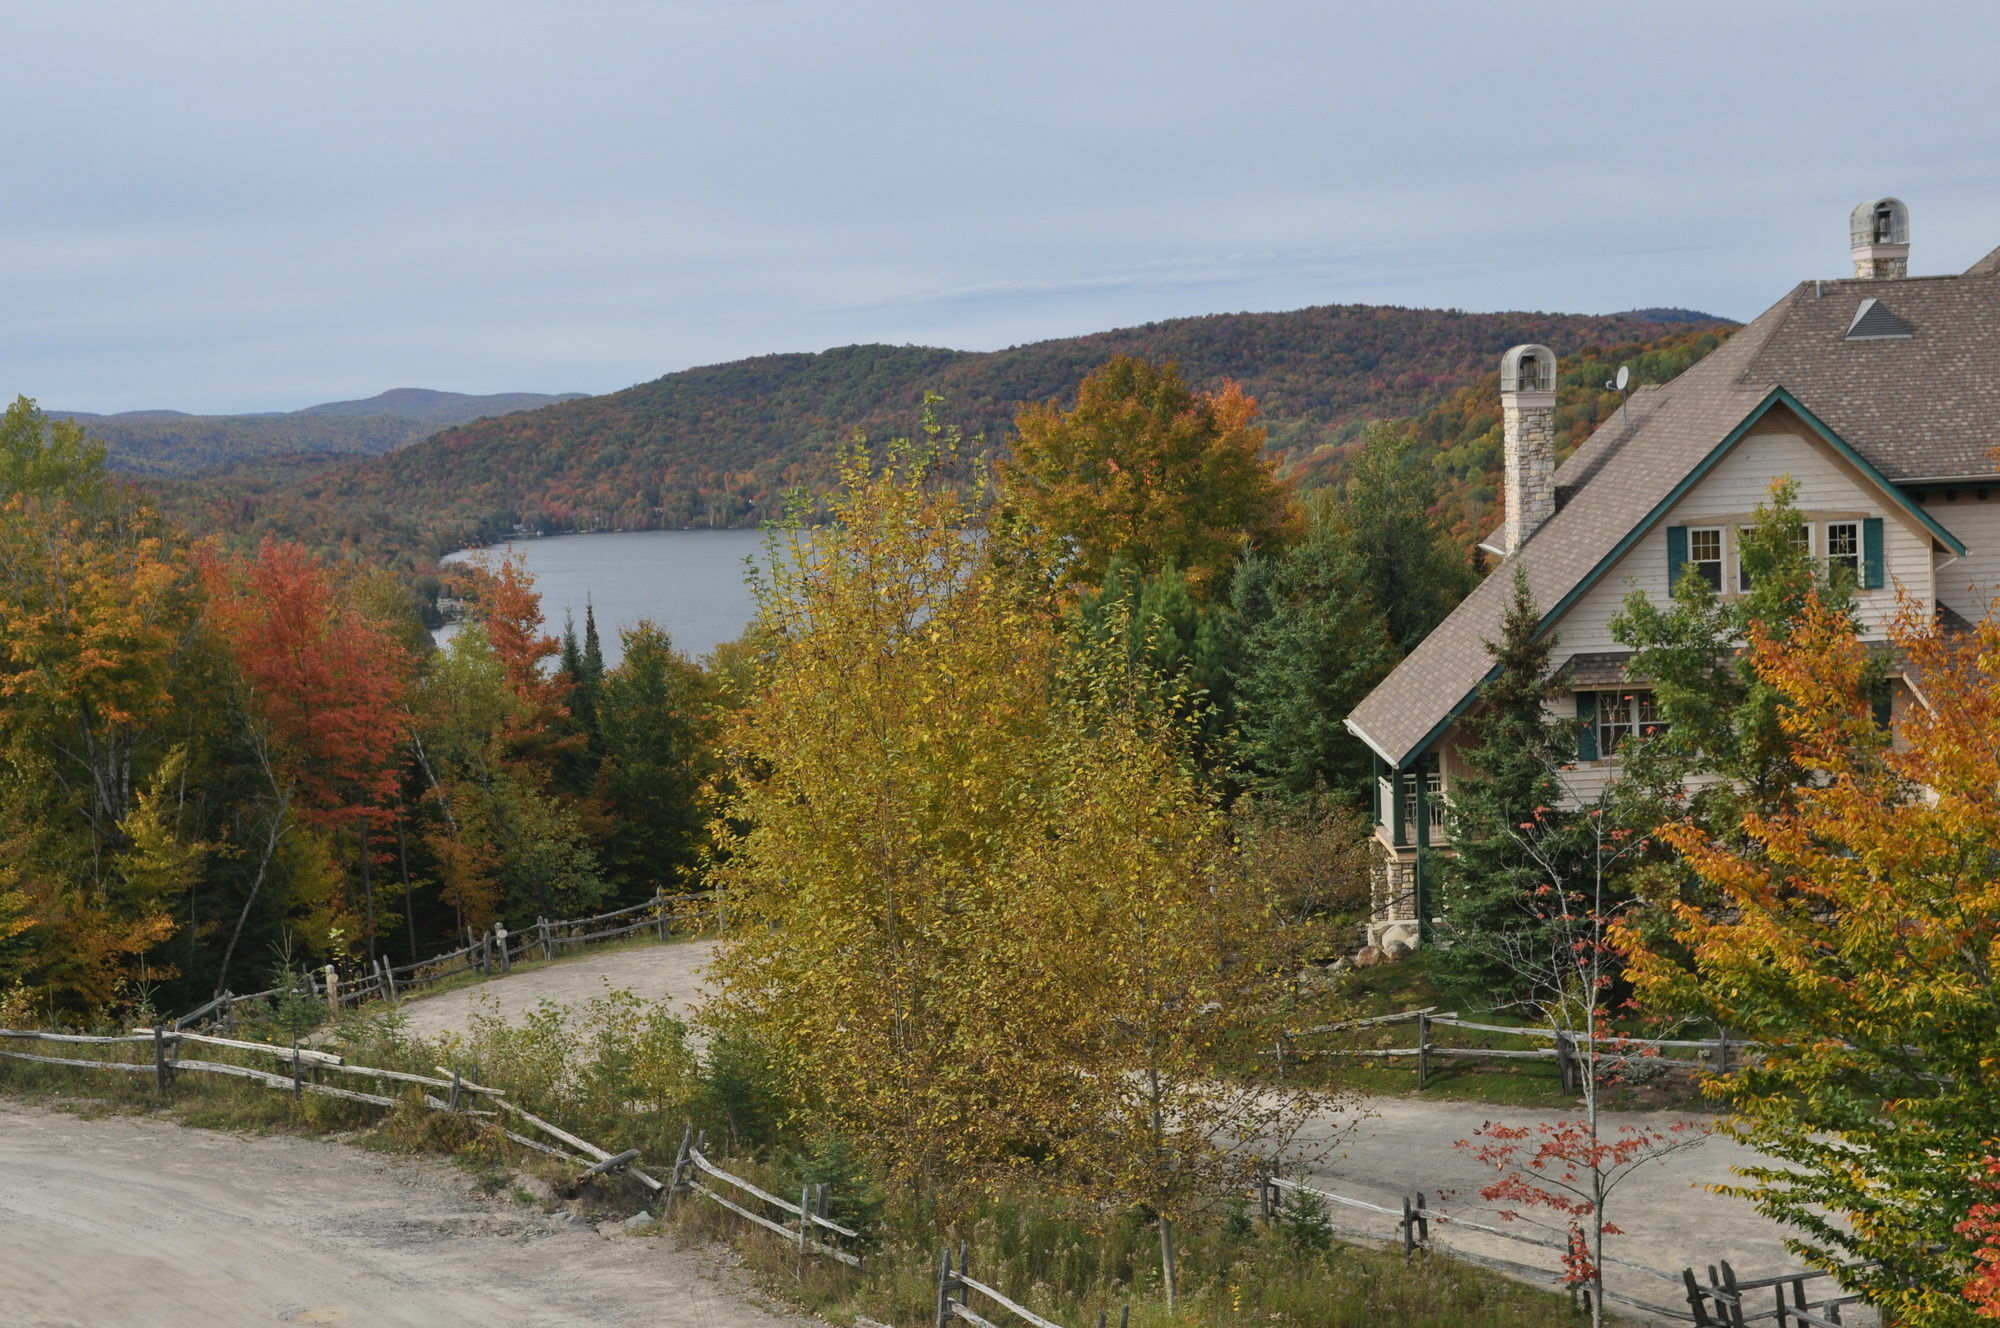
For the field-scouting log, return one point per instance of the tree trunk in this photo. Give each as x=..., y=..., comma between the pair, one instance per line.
x=1168, y=1270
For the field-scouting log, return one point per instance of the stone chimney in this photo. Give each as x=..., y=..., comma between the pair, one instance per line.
x=1879, y=238
x=1528, y=419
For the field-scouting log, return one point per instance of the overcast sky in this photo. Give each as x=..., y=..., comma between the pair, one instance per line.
x=258, y=206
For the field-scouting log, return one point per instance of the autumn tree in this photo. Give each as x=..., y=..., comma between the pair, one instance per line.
x=97, y=610
x=880, y=765
x=1146, y=469
x=324, y=687
x=1852, y=934
x=1149, y=956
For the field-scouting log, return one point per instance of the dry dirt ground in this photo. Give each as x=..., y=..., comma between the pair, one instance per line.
x=134, y=1221
x=1399, y=1146
x=670, y=972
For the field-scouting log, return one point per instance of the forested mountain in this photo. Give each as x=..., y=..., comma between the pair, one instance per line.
x=721, y=444
x=171, y=442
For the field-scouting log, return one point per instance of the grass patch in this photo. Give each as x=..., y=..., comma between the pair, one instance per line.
x=1070, y=1262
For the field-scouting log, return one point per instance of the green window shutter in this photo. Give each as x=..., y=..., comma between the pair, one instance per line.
x=1871, y=553
x=1586, y=729
x=1677, y=556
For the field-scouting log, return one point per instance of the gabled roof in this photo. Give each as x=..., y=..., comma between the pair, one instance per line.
x=1623, y=479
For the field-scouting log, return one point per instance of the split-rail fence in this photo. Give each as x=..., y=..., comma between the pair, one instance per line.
x=493, y=952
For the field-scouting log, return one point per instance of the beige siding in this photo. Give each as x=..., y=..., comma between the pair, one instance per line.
x=1969, y=584
x=1726, y=497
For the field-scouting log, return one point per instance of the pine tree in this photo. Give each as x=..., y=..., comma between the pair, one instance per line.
x=1511, y=781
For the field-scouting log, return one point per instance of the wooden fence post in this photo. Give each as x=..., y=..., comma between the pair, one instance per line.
x=678, y=1178
x=162, y=1076
x=1423, y=1050
x=1721, y=1050
x=298, y=1079
x=548, y=942
x=1409, y=1229
x=943, y=1288
x=1264, y=1204
x=389, y=979
x=660, y=904
x=1565, y=1061
x=332, y=990
x=500, y=944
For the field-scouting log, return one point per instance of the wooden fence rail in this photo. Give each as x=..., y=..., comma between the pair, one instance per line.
x=496, y=950
x=1412, y=1225
x=1570, y=1051
x=955, y=1285
x=304, y=1061
x=810, y=1211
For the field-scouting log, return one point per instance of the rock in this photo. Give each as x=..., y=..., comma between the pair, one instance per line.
x=1339, y=966
x=1397, y=950
x=1367, y=957
x=641, y=1221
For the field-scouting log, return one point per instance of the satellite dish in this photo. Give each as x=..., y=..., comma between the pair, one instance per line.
x=1624, y=378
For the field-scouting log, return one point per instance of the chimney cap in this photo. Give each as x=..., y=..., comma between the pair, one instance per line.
x=1528, y=368
x=1879, y=221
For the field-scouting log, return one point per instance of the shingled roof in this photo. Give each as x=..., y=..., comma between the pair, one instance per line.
x=1917, y=408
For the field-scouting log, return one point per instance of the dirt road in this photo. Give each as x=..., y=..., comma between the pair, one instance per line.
x=670, y=973
x=130, y=1221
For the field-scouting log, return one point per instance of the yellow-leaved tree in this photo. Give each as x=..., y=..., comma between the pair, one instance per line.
x=983, y=906
x=882, y=766
x=1162, y=968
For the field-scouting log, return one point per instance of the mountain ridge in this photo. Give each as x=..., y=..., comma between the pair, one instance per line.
x=721, y=444
x=174, y=442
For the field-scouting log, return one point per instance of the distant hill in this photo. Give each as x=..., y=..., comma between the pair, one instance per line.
x=721, y=444
x=441, y=408
x=172, y=442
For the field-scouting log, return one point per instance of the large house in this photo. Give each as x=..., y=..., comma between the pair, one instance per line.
x=1879, y=395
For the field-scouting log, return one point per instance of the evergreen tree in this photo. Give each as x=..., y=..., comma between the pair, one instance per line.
x=1314, y=643
x=1516, y=748
x=1161, y=630
x=656, y=731
x=1406, y=557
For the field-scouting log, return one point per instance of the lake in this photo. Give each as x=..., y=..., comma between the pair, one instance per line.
x=688, y=581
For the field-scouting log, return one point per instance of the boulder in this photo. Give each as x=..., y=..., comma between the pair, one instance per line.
x=640, y=1221
x=1397, y=950
x=1367, y=957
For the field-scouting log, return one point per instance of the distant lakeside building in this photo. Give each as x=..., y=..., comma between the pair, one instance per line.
x=1877, y=394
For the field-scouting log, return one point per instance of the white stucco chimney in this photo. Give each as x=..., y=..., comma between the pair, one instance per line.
x=1528, y=422
x=1878, y=235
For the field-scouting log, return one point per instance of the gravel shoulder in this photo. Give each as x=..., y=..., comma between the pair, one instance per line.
x=133, y=1220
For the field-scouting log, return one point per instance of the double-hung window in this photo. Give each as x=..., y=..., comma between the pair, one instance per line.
x=1624, y=714
x=1705, y=553
x=1843, y=546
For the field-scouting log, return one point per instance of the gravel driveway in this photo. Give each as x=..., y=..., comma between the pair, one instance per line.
x=128, y=1220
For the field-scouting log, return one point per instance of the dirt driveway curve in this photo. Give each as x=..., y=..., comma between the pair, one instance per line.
x=130, y=1220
